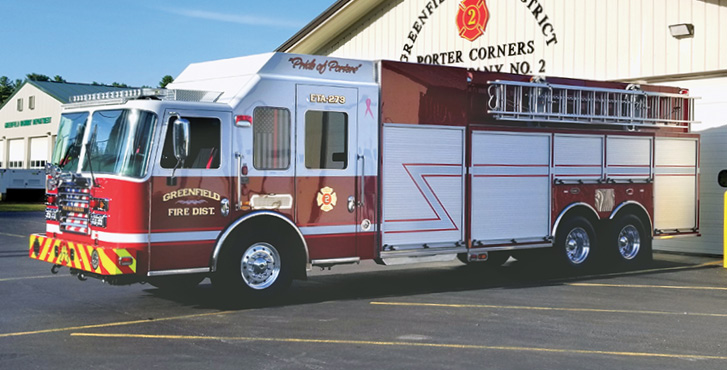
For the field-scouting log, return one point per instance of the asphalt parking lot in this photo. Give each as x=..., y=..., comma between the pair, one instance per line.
x=670, y=315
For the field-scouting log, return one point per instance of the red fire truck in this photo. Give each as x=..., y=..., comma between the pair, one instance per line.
x=253, y=170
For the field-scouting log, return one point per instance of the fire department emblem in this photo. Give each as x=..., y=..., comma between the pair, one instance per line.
x=326, y=199
x=472, y=17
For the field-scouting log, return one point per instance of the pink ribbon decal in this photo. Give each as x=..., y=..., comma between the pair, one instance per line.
x=368, y=108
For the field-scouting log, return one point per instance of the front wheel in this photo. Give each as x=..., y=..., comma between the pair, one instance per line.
x=258, y=269
x=575, y=243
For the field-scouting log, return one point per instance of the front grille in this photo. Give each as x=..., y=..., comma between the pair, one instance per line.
x=73, y=202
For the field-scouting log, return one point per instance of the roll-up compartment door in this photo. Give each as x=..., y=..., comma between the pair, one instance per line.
x=675, y=185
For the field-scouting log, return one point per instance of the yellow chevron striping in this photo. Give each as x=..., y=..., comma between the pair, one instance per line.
x=82, y=256
x=108, y=263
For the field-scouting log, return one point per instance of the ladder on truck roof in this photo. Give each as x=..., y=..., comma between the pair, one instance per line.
x=539, y=101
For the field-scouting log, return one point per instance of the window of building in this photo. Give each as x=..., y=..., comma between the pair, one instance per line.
x=2, y=153
x=31, y=102
x=326, y=140
x=20, y=104
x=271, y=138
x=37, y=164
x=204, y=144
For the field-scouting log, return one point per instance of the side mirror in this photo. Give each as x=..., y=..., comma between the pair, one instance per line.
x=180, y=136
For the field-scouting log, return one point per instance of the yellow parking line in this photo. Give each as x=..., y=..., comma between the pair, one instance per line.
x=14, y=235
x=122, y=323
x=599, y=285
x=542, y=308
x=31, y=277
x=662, y=269
x=406, y=344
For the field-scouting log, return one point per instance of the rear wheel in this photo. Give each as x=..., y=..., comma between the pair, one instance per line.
x=575, y=243
x=629, y=242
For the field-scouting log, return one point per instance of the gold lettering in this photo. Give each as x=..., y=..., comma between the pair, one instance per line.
x=190, y=192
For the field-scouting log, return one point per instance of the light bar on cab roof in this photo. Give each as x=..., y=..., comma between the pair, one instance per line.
x=122, y=96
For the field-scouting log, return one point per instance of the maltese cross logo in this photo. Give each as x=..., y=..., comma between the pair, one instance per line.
x=326, y=199
x=472, y=17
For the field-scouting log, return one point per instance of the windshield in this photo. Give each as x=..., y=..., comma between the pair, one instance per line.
x=68, y=144
x=120, y=141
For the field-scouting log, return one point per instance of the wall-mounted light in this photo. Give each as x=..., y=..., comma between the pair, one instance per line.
x=682, y=30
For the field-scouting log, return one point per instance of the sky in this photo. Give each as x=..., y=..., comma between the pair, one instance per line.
x=137, y=42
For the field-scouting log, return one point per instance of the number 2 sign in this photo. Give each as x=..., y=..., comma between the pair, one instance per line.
x=472, y=19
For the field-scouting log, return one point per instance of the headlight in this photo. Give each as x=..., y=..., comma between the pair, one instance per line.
x=51, y=184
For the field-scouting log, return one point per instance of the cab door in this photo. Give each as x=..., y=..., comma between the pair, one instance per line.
x=190, y=199
x=327, y=201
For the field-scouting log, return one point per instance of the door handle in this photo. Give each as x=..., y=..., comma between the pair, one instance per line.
x=351, y=204
x=362, y=193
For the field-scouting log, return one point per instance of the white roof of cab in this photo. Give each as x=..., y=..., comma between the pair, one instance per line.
x=232, y=76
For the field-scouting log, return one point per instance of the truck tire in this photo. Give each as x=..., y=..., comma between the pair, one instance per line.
x=258, y=269
x=629, y=242
x=575, y=244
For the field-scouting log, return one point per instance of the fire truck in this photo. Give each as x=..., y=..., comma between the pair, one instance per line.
x=251, y=171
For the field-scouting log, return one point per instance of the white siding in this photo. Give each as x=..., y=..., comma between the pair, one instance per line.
x=42, y=121
x=616, y=39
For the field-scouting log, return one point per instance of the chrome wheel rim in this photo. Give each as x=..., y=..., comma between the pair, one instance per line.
x=629, y=242
x=260, y=266
x=577, y=246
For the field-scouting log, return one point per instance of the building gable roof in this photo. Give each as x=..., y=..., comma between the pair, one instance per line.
x=63, y=91
x=332, y=22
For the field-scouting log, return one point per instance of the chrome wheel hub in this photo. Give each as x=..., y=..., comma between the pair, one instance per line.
x=577, y=246
x=260, y=266
x=629, y=242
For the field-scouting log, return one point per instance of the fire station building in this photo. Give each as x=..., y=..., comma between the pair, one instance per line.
x=28, y=125
x=673, y=42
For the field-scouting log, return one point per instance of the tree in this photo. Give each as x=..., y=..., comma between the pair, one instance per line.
x=7, y=88
x=37, y=77
x=116, y=84
x=58, y=78
x=166, y=80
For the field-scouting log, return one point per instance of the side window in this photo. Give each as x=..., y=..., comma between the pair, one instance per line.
x=326, y=140
x=204, y=144
x=271, y=138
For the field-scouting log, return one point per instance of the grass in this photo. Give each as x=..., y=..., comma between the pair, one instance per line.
x=21, y=207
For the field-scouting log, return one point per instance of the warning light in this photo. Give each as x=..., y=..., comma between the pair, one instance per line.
x=243, y=121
